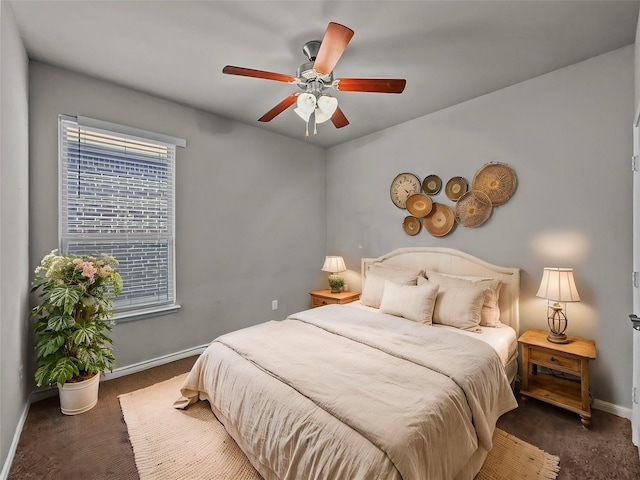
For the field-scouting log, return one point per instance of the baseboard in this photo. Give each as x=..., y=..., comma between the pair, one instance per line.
x=612, y=408
x=14, y=443
x=154, y=362
x=47, y=392
x=43, y=393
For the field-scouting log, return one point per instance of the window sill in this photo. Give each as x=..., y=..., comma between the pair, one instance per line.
x=145, y=313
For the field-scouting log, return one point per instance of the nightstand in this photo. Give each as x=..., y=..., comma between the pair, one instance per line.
x=571, y=358
x=325, y=297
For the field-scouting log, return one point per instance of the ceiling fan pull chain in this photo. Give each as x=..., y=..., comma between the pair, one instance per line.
x=306, y=133
x=315, y=124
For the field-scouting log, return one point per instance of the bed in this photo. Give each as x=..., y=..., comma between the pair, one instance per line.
x=372, y=390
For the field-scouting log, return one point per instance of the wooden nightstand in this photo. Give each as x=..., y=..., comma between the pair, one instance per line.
x=571, y=358
x=325, y=297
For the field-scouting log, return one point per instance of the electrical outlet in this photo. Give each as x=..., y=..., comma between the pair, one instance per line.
x=274, y=304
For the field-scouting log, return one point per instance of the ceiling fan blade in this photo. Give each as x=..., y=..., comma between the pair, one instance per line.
x=338, y=119
x=335, y=40
x=279, y=108
x=250, y=72
x=379, y=85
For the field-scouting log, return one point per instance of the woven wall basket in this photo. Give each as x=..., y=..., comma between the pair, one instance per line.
x=440, y=220
x=411, y=225
x=419, y=205
x=497, y=180
x=473, y=209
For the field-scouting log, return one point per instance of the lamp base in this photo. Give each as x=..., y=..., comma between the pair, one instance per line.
x=557, y=338
x=557, y=324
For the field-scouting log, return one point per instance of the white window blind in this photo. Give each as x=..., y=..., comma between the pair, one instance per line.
x=117, y=197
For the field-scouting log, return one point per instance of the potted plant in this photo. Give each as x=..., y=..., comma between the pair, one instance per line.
x=72, y=324
x=336, y=283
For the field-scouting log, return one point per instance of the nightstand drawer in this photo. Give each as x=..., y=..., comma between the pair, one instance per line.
x=325, y=297
x=554, y=360
x=320, y=301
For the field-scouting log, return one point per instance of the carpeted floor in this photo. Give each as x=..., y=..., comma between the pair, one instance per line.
x=95, y=444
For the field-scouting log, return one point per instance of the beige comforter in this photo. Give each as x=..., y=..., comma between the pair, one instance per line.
x=342, y=393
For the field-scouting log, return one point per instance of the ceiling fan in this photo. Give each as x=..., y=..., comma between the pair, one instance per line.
x=314, y=105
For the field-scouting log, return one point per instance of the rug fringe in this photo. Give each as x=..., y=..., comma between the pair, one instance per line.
x=551, y=468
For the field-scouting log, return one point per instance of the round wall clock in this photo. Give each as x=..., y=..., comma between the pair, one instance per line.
x=403, y=186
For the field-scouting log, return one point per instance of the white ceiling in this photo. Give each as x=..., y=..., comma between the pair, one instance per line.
x=449, y=51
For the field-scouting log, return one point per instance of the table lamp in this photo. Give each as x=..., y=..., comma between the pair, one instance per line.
x=557, y=286
x=334, y=265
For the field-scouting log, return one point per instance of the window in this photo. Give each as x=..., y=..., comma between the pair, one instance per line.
x=117, y=197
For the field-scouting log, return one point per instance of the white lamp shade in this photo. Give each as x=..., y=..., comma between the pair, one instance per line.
x=321, y=117
x=302, y=114
x=558, y=285
x=334, y=264
x=306, y=103
x=327, y=106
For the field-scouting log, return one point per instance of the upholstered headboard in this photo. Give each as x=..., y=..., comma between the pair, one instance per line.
x=456, y=262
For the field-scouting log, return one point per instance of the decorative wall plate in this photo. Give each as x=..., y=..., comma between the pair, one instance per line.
x=473, y=209
x=439, y=221
x=403, y=186
x=411, y=225
x=419, y=205
x=431, y=185
x=456, y=187
x=497, y=180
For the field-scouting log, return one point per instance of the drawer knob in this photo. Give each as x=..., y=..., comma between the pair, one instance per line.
x=324, y=302
x=553, y=359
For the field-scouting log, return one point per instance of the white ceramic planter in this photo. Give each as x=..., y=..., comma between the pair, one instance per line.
x=79, y=397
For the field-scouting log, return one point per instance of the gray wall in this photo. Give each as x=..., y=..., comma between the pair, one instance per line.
x=249, y=211
x=637, y=64
x=567, y=135
x=15, y=269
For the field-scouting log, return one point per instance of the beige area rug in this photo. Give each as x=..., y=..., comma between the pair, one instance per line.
x=191, y=444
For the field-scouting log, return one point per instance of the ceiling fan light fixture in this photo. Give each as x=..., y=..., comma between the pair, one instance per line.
x=327, y=106
x=306, y=108
x=306, y=104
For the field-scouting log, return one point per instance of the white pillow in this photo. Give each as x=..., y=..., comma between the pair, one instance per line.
x=490, y=316
x=459, y=307
x=374, y=282
x=411, y=302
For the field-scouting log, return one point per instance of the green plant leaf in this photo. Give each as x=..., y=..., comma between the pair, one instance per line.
x=65, y=369
x=40, y=326
x=59, y=323
x=48, y=344
x=89, y=300
x=85, y=334
x=66, y=297
x=43, y=375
